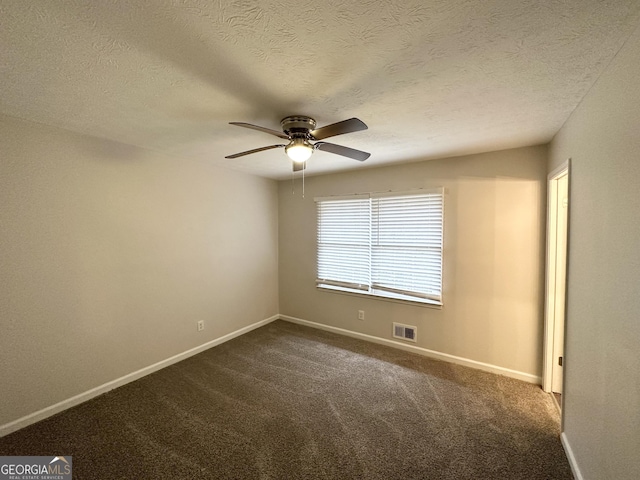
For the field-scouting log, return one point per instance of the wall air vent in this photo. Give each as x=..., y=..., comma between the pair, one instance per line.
x=405, y=332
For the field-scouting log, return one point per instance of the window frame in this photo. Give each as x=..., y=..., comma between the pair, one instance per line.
x=368, y=289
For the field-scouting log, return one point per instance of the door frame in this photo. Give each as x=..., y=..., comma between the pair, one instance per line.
x=551, y=273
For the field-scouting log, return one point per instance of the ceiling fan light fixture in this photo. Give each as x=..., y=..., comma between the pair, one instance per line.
x=300, y=131
x=299, y=150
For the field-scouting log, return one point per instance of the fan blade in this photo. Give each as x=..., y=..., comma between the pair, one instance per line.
x=255, y=150
x=344, y=151
x=261, y=129
x=297, y=166
x=346, y=126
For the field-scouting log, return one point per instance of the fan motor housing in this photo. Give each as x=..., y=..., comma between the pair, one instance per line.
x=297, y=124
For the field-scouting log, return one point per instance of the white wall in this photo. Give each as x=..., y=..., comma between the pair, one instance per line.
x=109, y=254
x=602, y=369
x=493, y=257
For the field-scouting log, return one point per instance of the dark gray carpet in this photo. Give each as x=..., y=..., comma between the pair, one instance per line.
x=286, y=401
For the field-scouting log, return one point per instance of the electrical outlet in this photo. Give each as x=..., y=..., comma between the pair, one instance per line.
x=360, y=314
x=200, y=325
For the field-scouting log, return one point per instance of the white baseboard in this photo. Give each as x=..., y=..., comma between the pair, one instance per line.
x=526, y=377
x=94, y=392
x=572, y=459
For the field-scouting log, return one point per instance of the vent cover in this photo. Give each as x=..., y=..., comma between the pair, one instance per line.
x=405, y=332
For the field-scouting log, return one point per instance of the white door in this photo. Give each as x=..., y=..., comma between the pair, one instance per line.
x=556, y=270
x=560, y=284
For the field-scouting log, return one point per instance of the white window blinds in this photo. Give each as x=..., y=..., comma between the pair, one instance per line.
x=344, y=237
x=387, y=245
x=407, y=245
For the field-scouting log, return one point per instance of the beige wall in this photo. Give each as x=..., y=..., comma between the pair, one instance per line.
x=109, y=254
x=493, y=257
x=602, y=375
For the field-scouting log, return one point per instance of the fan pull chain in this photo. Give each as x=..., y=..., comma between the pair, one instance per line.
x=293, y=182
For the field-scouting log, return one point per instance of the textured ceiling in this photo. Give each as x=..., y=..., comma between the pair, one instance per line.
x=431, y=78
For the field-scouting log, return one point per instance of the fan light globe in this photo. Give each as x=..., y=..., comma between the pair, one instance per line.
x=299, y=150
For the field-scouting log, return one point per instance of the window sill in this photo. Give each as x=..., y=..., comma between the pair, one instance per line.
x=382, y=295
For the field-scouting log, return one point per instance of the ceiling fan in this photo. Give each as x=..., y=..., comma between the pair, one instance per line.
x=301, y=131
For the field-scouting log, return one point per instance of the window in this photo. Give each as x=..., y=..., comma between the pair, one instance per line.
x=387, y=245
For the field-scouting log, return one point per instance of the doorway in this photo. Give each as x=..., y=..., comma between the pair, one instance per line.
x=556, y=276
